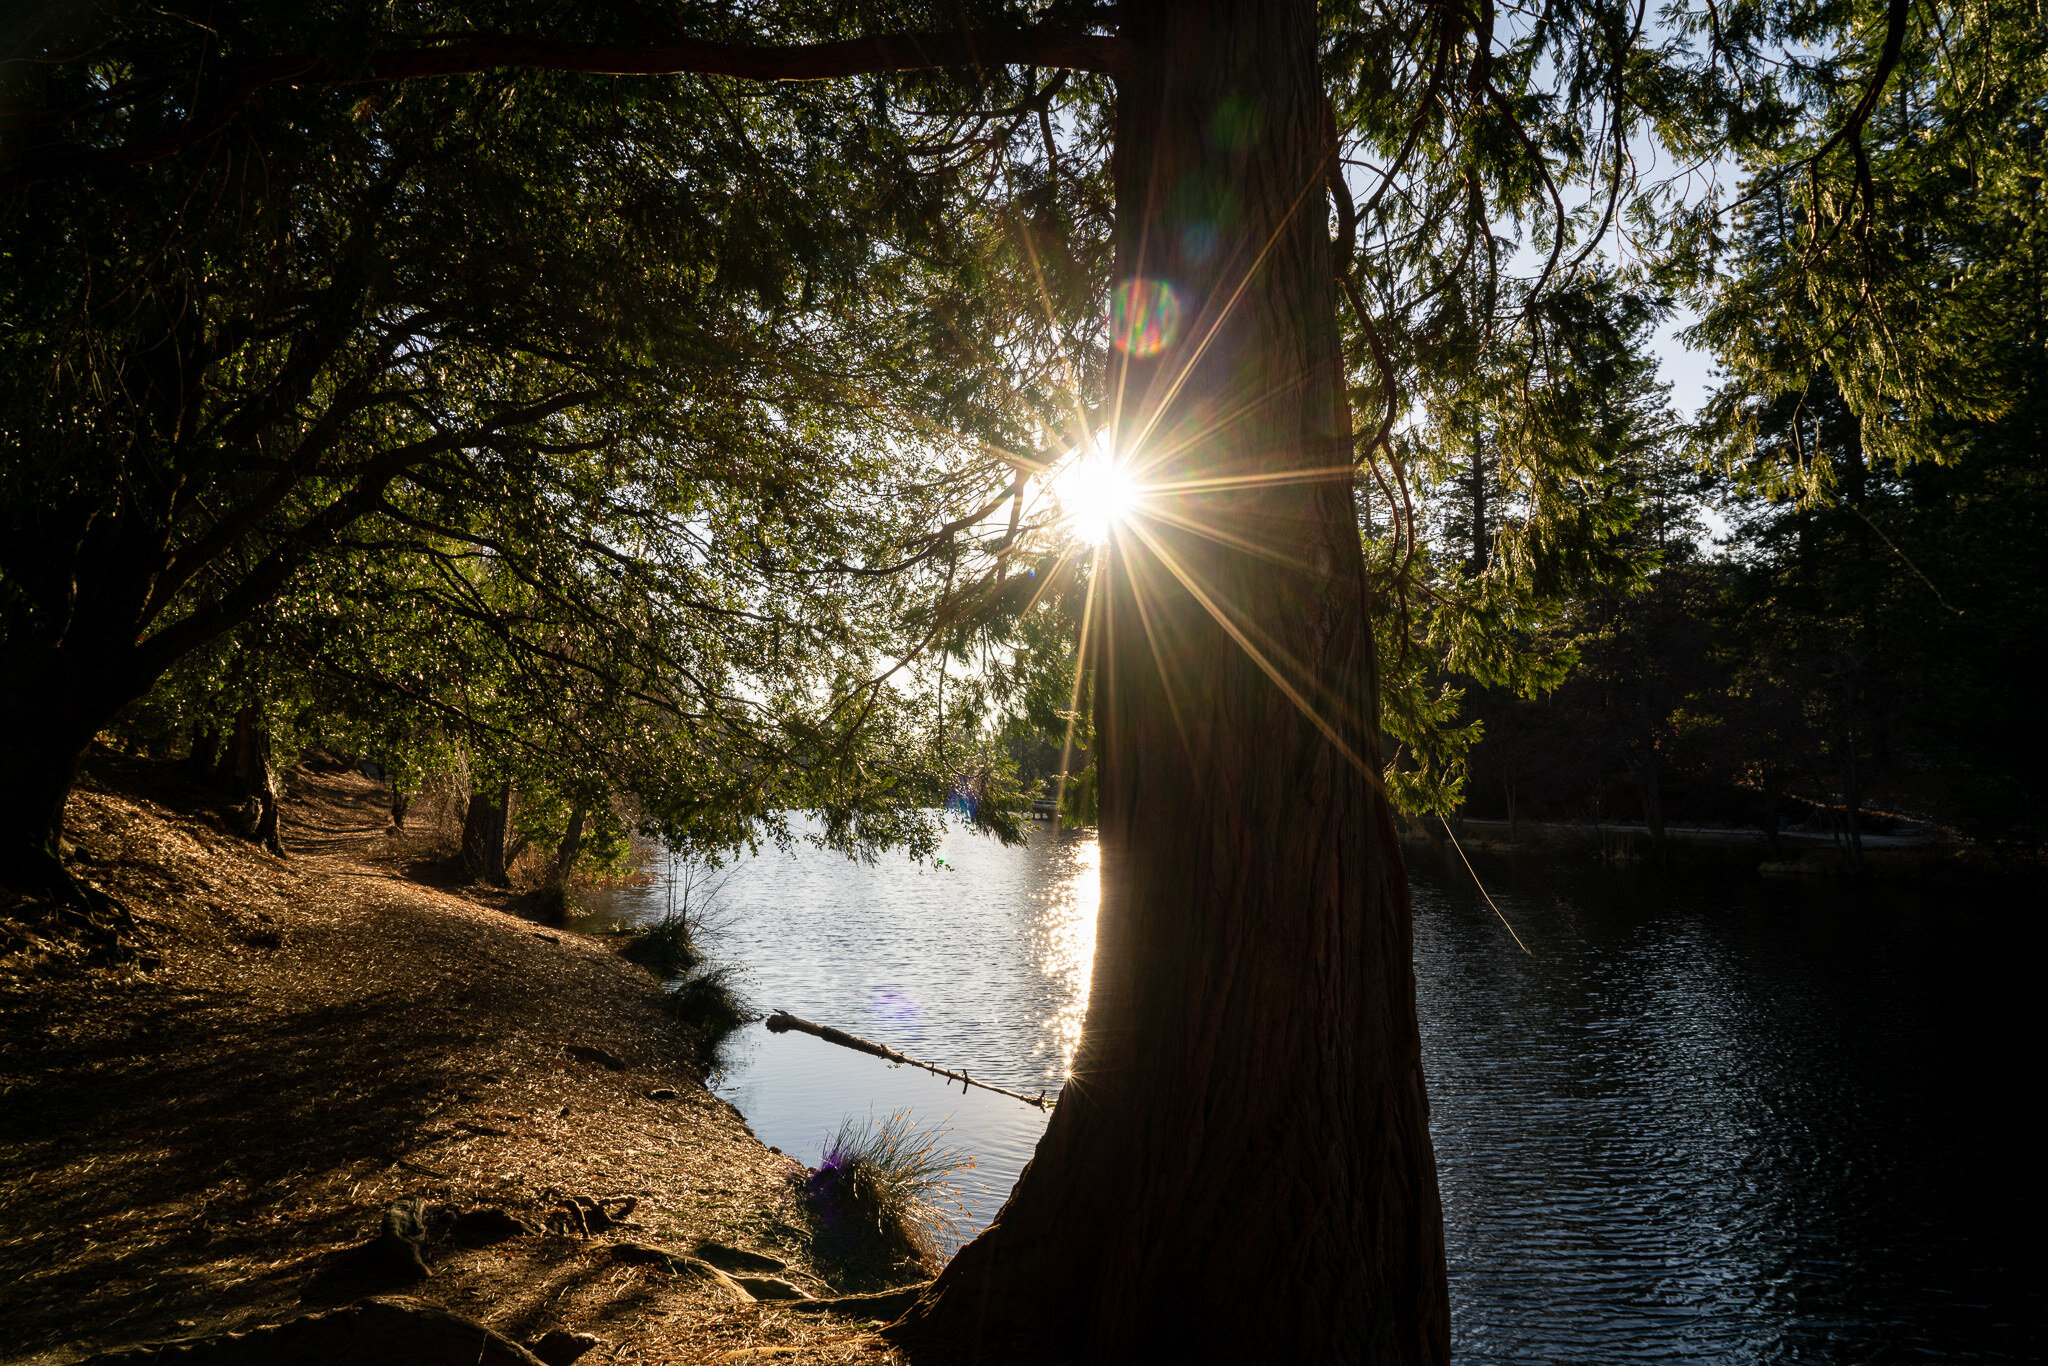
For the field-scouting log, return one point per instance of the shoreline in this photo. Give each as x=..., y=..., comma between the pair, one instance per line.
x=1789, y=854
x=200, y=1140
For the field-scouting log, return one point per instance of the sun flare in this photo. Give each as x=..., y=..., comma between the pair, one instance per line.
x=1096, y=490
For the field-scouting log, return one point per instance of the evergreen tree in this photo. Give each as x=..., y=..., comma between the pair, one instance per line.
x=625, y=347
x=1882, y=330
x=1241, y=1167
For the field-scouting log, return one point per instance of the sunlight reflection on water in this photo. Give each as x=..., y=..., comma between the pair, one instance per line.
x=1706, y=1121
x=977, y=960
x=1066, y=944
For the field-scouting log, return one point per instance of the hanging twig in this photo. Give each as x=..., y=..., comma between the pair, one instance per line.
x=1482, y=886
x=781, y=1022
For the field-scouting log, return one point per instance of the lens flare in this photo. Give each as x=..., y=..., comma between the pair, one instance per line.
x=1096, y=490
x=1144, y=316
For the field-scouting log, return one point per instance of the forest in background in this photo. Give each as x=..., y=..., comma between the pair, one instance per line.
x=1825, y=600
x=1809, y=632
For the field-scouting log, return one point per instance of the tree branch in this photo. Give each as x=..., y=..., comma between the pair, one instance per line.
x=1851, y=131
x=241, y=79
x=321, y=528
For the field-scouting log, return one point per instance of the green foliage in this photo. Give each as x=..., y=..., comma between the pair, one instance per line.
x=1882, y=332
x=1505, y=419
x=1047, y=728
x=1553, y=483
x=688, y=437
x=595, y=436
x=1856, y=657
x=1426, y=771
x=1882, y=259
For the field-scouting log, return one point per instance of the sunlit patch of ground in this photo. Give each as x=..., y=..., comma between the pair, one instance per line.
x=194, y=1142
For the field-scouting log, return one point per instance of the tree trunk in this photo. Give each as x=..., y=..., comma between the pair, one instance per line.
x=253, y=780
x=1644, y=771
x=483, y=835
x=1240, y=1167
x=1482, y=536
x=205, y=752
x=38, y=764
x=1649, y=783
x=564, y=861
x=1852, y=790
x=53, y=705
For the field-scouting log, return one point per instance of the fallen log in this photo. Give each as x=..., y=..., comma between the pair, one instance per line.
x=781, y=1022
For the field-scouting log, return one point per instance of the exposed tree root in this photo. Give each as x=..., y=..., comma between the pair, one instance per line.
x=386, y=1328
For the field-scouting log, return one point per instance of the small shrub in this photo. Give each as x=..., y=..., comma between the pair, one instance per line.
x=667, y=948
x=877, y=1203
x=673, y=945
x=547, y=904
x=703, y=999
x=709, y=1007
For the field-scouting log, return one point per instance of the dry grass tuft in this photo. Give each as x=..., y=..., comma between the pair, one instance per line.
x=879, y=1204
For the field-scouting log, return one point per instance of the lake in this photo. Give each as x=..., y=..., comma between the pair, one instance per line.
x=1708, y=1119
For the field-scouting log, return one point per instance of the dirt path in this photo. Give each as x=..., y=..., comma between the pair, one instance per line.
x=194, y=1141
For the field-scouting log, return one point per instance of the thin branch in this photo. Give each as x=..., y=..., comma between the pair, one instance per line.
x=781, y=1022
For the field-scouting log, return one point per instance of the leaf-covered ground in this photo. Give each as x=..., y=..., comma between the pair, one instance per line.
x=192, y=1142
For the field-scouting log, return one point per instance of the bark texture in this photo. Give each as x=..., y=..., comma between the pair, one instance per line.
x=484, y=829
x=1240, y=1168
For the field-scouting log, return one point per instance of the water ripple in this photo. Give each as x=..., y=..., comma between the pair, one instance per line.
x=1706, y=1122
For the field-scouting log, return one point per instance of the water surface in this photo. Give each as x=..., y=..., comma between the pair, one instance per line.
x=977, y=960
x=1720, y=1120
x=1733, y=1120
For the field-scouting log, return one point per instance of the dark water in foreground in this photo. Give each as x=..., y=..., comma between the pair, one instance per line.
x=1741, y=1122
x=1727, y=1121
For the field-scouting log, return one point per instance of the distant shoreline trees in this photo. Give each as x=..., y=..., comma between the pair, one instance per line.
x=1862, y=647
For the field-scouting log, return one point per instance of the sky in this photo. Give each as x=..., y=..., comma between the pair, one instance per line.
x=1690, y=372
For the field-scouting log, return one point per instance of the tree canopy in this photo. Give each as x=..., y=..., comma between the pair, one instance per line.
x=666, y=399
x=1853, y=657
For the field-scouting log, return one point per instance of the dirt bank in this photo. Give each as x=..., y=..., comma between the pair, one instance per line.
x=193, y=1141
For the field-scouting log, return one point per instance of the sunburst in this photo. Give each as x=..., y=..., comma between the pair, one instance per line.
x=1095, y=488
